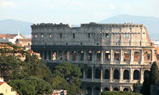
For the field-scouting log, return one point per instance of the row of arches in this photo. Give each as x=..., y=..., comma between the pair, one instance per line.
x=96, y=90
x=89, y=55
x=116, y=74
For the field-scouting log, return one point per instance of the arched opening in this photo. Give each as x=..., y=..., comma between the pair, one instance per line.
x=107, y=74
x=49, y=54
x=89, y=55
x=126, y=89
x=97, y=73
x=115, y=89
x=89, y=73
x=136, y=75
x=116, y=74
x=60, y=55
x=98, y=55
x=146, y=74
x=45, y=55
x=88, y=91
x=96, y=90
x=107, y=55
x=81, y=55
x=74, y=55
x=54, y=55
x=126, y=75
x=106, y=89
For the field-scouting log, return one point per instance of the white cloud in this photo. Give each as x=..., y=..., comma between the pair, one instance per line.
x=112, y=6
x=4, y=3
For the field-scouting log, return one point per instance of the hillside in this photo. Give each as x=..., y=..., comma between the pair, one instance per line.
x=14, y=26
x=152, y=24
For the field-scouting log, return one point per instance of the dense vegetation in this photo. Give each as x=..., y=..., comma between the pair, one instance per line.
x=66, y=76
x=33, y=77
x=118, y=93
x=152, y=79
x=31, y=86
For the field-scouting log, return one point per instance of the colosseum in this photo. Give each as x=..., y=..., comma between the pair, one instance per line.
x=112, y=57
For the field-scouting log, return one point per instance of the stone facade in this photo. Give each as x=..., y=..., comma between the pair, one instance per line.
x=111, y=56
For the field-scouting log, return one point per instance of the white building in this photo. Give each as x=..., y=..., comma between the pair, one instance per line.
x=6, y=89
x=156, y=43
x=10, y=37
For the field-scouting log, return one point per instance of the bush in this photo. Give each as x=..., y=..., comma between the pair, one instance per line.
x=118, y=93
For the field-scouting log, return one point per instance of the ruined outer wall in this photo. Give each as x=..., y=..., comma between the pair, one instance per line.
x=91, y=35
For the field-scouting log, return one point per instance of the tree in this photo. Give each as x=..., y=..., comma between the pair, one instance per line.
x=31, y=86
x=66, y=76
x=152, y=79
x=145, y=89
x=154, y=76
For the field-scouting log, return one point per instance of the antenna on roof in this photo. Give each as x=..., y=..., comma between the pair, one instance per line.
x=18, y=32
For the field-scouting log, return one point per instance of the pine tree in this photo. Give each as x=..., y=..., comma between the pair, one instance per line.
x=152, y=79
x=145, y=90
x=154, y=76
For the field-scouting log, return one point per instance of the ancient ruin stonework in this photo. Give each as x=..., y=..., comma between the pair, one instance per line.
x=111, y=56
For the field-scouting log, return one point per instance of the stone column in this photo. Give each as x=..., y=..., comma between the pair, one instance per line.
x=121, y=88
x=104, y=57
x=93, y=57
x=70, y=56
x=51, y=55
x=111, y=56
x=152, y=55
x=77, y=55
x=92, y=74
x=111, y=74
x=92, y=93
x=101, y=75
x=121, y=56
x=43, y=55
x=121, y=74
x=63, y=55
x=141, y=76
x=111, y=88
x=130, y=75
x=47, y=55
x=57, y=55
x=85, y=55
x=131, y=56
x=84, y=74
x=141, y=57
x=101, y=89
x=101, y=56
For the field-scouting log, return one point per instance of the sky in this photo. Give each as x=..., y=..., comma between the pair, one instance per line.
x=74, y=11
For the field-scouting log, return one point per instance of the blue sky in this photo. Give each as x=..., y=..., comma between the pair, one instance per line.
x=74, y=11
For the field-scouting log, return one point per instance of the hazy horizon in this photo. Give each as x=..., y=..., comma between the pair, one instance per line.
x=74, y=11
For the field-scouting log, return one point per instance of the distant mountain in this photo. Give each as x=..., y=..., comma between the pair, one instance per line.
x=151, y=23
x=10, y=26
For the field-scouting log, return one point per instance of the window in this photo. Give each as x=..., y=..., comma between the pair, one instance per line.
x=36, y=36
x=50, y=36
x=106, y=35
x=89, y=35
x=60, y=35
x=127, y=35
x=73, y=35
x=42, y=35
